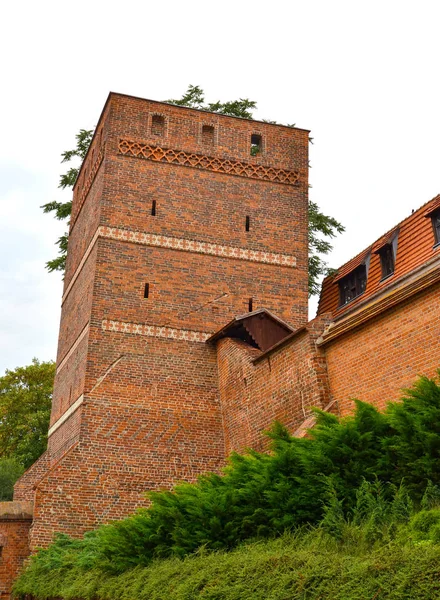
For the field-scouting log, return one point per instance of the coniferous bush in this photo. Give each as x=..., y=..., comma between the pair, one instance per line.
x=360, y=478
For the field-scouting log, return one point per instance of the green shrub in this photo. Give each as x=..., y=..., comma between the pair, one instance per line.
x=10, y=471
x=347, y=475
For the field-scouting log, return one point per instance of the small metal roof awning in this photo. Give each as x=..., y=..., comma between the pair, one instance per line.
x=385, y=239
x=260, y=329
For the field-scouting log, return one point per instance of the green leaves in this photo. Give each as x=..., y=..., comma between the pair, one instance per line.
x=194, y=97
x=63, y=210
x=321, y=226
x=10, y=471
x=25, y=402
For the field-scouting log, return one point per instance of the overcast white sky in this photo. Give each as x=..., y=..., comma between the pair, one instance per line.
x=363, y=76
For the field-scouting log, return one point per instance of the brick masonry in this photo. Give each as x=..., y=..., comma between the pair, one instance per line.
x=375, y=361
x=15, y=522
x=160, y=257
x=173, y=234
x=281, y=384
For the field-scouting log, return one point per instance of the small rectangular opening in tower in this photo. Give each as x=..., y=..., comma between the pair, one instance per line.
x=208, y=135
x=250, y=304
x=248, y=223
x=256, y=144
x=153, y=208
x=157, y=125
x=146, y=290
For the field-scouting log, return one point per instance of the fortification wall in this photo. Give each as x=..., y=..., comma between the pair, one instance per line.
x=282, y=384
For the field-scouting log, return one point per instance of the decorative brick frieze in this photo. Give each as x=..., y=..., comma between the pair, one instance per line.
x=201, y=161
x=155, y=331
x=163, y=241
x=184, y=245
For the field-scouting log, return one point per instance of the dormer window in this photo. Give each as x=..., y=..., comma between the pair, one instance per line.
x=353, y=285
x=386, y=248
x=386, y=254
x=435, y=218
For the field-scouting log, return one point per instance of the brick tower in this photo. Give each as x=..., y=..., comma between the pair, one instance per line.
x=181, y=220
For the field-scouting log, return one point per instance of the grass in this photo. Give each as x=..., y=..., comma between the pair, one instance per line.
x=308, y=565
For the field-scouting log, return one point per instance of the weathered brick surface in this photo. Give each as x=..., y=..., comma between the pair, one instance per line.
x=24, y=488
x=283, y=384
x=150, y=412
x=15, y=521
x=153, y=420
x=65, y=436
x=77, y=307
x=81, y=234
x=374, y=362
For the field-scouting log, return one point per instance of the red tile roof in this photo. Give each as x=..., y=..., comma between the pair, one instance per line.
x=415, y=246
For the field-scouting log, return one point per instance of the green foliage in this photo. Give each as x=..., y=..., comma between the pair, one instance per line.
x=25, y=403
x=309, y=563
x=322, y=228
x=194, y=97
x=348, y=479
x=10, y=471
x=62, y=210
x=414, y=449
x=431, y=497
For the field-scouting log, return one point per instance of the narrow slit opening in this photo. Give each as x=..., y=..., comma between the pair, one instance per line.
x=153, y=208
x=248, y=223
x=146, y=290
x=256, y=144
x=250, y=305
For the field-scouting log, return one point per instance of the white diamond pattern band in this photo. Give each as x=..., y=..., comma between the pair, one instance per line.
x=162, y=241
x=155, y=331
x=184, y=245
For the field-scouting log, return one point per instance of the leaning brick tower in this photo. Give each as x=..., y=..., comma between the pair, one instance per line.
x=181, y=220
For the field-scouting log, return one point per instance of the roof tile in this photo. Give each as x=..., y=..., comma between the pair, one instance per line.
x=415, y=246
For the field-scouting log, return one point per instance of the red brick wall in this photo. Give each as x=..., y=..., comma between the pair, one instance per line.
x=14, y=544
x=375, y=361
x=283, y=385
x=151, y=413
x=24, y=488
x=153, y=419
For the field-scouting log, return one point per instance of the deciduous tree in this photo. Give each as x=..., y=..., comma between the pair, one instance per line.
x=25, y=402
